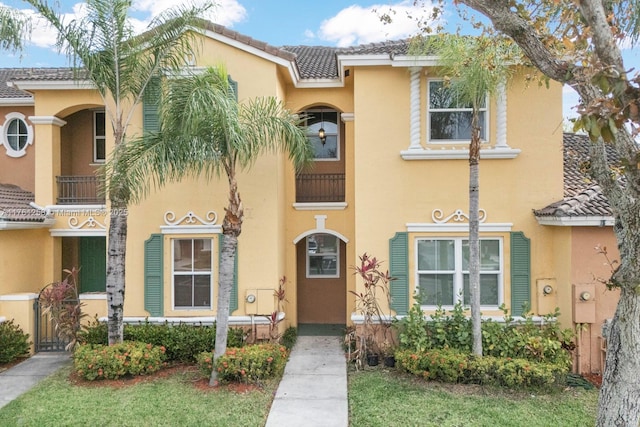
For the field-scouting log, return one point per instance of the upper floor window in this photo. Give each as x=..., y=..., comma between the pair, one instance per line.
x=323, y=132
x=16, y=134
x=323, y=256
x=449, y=119
x=99, y=137
x=443, y=272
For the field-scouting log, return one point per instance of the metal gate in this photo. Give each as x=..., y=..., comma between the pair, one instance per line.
x=46, y=338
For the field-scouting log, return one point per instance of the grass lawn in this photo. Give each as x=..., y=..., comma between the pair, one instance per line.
x=387, y=399
x=168, y=400
x=377, y=397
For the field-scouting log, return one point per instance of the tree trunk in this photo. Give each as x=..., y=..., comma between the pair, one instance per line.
x=474, y=238
x=227, y=259
x=231, y=229
x=116, y=256
x=619, y=401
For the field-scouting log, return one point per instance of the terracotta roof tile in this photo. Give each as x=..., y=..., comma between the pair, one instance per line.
x=582, y=196
x=15, y=205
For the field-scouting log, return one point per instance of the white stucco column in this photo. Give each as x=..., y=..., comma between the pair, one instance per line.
x=501, y=117
x=415, y=109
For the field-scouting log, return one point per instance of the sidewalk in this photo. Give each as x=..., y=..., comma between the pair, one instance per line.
x=313, y=390
x=23, y=376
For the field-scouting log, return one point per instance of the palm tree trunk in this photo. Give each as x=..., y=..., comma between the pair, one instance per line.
x=231, y=229
x=227, y=258
x=619, y=401
x=474, y=238
x=117, y=248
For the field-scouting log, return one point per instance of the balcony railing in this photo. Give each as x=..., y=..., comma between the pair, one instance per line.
x=320, y=188
x=79, y=190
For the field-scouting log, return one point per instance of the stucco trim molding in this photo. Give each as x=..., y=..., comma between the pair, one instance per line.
x=190, y=223
x=47, y=120
x=201, y=320
x=455, y=222
x=458, y=154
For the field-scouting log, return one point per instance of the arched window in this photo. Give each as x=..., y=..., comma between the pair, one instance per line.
x=16, y=134
x=323, y=132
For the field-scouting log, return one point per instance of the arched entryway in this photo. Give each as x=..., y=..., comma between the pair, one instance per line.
x=321, y=284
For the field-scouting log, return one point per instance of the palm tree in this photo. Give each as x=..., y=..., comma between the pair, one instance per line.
x=474, y=67
x=204, y=131
x=102, y=47
x=14, y=28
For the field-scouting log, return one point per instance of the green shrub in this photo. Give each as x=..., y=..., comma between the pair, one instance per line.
x=251, y=363
x=14, y=342
x=289, y=337
x=183, y=341
x=523, y=340
x=97, y=361
x=452, y=366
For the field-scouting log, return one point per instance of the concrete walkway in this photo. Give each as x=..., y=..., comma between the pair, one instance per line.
x=313, y=391
x=21, y=377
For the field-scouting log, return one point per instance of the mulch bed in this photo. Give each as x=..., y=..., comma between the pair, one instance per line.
x=188, y=371
x=595, y=379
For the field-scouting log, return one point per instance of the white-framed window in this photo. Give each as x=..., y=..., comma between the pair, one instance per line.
x=192, y=273
x=323, y=256
x=449, y=119
x=442, y=274
x=324, y=133
x=17, y=134
x=99, y=137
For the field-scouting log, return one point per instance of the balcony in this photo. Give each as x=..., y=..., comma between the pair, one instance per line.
x=314, y=188
x=79, y=190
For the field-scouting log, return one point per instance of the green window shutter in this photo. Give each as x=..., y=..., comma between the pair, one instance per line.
x=153, y=277
x=520, y=272
x=234, y=86
x=399, y=269
x=233, y=303
x=151, y=106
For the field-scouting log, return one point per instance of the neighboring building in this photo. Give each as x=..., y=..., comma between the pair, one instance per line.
x=390, y=179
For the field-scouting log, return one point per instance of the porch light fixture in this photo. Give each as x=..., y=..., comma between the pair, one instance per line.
x=321, y=133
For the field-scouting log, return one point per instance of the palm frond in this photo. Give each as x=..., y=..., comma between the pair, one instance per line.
x=14, y=28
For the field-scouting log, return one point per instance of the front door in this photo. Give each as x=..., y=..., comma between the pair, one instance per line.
x=321, y=280
x=93, y=264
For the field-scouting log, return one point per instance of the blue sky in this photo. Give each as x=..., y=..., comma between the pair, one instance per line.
x=277, y=22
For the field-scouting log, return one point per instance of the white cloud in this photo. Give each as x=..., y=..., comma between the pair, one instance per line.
x=359, y=25
x=227, y=13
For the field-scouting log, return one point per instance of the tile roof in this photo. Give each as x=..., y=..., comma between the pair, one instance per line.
x=313, y=62
x=15, y=205
x=582, y=196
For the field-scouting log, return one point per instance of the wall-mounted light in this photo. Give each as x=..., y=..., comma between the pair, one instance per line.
x=585, y=296
x=547, y=290
x=321, y=133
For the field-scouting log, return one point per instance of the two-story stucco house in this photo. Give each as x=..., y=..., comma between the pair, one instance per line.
x=390, y=179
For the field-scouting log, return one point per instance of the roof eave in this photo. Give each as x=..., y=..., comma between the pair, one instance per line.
x=26, y=225
x=22, y=101
x=51, y=84
x=576, y=221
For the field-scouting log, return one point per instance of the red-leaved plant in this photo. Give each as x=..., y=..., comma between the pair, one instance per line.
x=60, y=301
x=375, y=331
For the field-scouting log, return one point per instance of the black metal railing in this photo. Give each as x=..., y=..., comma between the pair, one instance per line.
x=79, y=190
x=47, y=338
x=327, y=187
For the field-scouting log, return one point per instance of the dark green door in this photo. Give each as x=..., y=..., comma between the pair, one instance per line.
x=93, y=264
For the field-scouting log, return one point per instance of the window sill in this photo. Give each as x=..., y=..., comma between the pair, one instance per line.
x=458, y=154
x=320, y=206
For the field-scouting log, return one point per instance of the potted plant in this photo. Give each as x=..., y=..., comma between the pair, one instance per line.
x=374, y=330
x=388, y=354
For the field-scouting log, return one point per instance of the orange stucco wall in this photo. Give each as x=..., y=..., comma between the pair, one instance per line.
x=589, y=268
x=18, y=170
